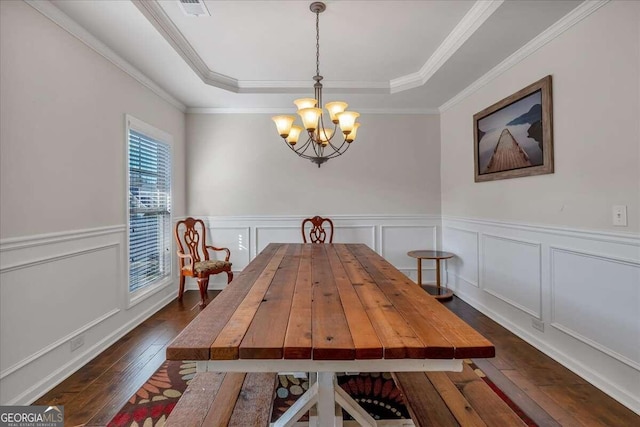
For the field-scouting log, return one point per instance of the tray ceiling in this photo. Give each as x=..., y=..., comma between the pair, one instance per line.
x=399, y=55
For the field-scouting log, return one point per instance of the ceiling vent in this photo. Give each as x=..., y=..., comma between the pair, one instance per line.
x=194, y=7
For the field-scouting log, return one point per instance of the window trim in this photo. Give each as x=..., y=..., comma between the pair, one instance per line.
x=139, y=295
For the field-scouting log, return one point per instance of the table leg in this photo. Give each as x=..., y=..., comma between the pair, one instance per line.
x=302, y=405
x=420, y=272
x=438, y=275
x=326, y=399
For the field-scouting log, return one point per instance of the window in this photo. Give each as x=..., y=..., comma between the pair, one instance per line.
x=149, y=217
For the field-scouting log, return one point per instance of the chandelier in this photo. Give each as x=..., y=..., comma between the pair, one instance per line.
x=320, y=145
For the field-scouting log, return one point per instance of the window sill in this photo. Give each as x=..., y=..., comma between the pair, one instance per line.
x=136, y=297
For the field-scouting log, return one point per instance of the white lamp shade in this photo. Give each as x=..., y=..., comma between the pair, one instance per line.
x=347, y=119
x=351, y=136
x=283, y=123
x=310, y=117
x=305, y=103
x=334, y=108
x=294, y=134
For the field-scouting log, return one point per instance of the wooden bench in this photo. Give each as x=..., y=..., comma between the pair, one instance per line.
x=218, y=399
x=453, y=399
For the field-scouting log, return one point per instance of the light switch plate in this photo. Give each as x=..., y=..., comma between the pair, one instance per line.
x=620, y=215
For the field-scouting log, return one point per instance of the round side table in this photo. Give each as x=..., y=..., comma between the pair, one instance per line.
x=439, y=292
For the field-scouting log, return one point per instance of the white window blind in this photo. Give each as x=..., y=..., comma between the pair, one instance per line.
x=149, y=210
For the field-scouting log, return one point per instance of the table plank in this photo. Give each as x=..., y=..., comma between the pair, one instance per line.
x=297, y=341
x=265, y=337
x=195, y=340
x=331, y=335
x=397, y=337
x=424, y=403
x=467, y=342
x=255, y=402
x=438, y=345
x=226, y=344
x=222, y=407
x=192, y=410
x=366, y=341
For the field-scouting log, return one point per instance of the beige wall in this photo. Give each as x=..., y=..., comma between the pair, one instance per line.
x=62, y=129
x=238, y=165
x=596, y=76
x=63, y=201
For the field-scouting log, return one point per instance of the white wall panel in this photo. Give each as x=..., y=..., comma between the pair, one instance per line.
x=282, y=234
x=464, y=244
x=511, y=272
x=234, y=238
x=52, y=288
x=356, y=234
x=58, y=287
x=397, y=240
x=581, y=286
x=584, y=289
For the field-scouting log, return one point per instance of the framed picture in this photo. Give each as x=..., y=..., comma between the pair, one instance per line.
x=514, y=137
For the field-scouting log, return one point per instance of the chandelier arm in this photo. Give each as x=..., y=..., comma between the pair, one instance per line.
x=338, y=153
x=302, y=148
x=317, y=148
x=341, y=145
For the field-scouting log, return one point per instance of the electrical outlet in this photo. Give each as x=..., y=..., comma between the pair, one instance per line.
x=77, y=342
x=537, y=324
x=620, y=215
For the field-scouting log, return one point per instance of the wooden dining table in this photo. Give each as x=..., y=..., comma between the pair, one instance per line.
x=326, y=308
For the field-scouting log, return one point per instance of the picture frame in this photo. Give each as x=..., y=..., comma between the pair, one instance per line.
x=514, y=137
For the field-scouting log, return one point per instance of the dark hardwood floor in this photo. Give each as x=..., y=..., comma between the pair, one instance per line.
x=549, y=393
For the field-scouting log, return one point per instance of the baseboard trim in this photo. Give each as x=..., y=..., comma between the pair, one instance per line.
x=27, y=360
x=60, y=374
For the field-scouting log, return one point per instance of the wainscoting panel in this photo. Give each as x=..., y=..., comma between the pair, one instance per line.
x=51, y=287
x=356, y=234
x=511, y=272
x=464, y=243
x=58, y=289
x=276, y=234
x=573, y=294
x=597, y=279
x=391, y=235
x=397, y=240
x=237, y=239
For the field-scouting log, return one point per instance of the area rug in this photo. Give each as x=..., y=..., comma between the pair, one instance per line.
x=376, y=392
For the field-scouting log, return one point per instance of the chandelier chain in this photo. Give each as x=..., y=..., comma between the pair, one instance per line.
x=317, y=43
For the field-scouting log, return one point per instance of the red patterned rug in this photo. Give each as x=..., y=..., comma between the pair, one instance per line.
x=376, y=392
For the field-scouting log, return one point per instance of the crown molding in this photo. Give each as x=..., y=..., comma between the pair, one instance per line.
x=473, y=19
x=469, y=24
x=47, y=9
x=277, y=110
x=156, y=15
x=569, y=20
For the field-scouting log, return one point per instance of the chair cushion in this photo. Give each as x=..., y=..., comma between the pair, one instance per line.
x=210, y=265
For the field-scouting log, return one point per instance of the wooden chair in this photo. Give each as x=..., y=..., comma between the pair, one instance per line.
x=317, y=234
x=193, y=256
